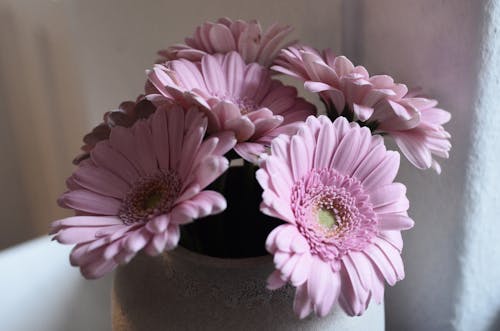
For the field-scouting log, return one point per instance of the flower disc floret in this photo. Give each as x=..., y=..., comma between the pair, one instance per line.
x=332, y=213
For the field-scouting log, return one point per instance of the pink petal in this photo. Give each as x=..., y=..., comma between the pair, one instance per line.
x=234, y=69
x=324, y=147
x=105, y=156
x=101, y=181
x=144, y=147
x=318, y=279
x=370, y=161
x=225, y=141
x=137, y=240
x=316, y=86
x=91, y=202
x=288, y=268
x=265, y=125
x=80, y=256
x=280, y=259
x=76, y=235
x=382, y=263
x=254, y=76
x=271, y=239
x=360, y=262
x=414, y=150
x=302, y=304
x=280, y=209
x=268, y=46
x=248, y=43
x=347, y=152
x=274, y=281
x=393, y=256
x=191, y=145
x=285, y=236
x=377, y=287
x=122, y=140
x=175, y=119
x=387, y=194
x=394, y=222
x=158, y=244
x=158, y=224
x=342, y=65
x=82, y=221
x=330, y=296
x=384, y=173
x=174, y=234
x=399, y=206
x=98, y=269
x=160, y=137
x=188, y=75
x=226, y=111
x=112, y=249
x=298, y=157
x=241, y=126
x=394, y=238
x=209, y=169
x=250, y=152
x=355, y=294
x=212, y=72
x=302, y=270
x=362, y=112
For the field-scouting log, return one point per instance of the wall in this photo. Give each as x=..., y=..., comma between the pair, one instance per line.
x=69, y=61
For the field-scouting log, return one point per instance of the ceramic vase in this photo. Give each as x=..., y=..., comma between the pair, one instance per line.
x=182, y=290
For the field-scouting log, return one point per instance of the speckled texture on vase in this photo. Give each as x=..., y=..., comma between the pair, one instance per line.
x=182, y=290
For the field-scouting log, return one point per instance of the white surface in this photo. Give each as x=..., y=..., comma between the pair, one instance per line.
x=478, y=305
x=40, y=291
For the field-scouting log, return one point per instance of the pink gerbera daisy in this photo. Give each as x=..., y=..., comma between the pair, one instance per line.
x=343, y=87
x=126, y=115
x=235, y=96
x=225, y=36
x=333, y=185
x=139, y=186
x=425, y=140
x=375, y=101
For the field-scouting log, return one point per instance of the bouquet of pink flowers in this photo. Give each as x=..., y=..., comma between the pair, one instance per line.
x=221, y=157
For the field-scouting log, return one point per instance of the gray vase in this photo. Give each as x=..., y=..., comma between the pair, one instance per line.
x=182, y=290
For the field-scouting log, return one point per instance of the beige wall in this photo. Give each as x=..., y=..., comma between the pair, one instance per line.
x=42, y=113
x=64, y=63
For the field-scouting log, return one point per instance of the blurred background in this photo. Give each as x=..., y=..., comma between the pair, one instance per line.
x=63, y=63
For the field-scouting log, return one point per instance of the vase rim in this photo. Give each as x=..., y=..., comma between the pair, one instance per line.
x=220, y=262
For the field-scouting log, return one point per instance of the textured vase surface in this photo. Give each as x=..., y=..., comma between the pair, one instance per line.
x=182, y=290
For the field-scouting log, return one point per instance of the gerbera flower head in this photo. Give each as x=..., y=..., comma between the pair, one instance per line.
x=345, y=88
x=332, y=183
x=375, y=101
x=426, y=140
x=127, y=113
x=139, y=186
x=225, y=35
x=235, y=96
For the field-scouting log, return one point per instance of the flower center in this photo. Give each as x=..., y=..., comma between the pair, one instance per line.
x=327, y=219
x=149, y=197
x=333, y=213
x=246, y=105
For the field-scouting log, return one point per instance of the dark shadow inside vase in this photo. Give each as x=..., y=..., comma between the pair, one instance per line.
x=241, y=230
